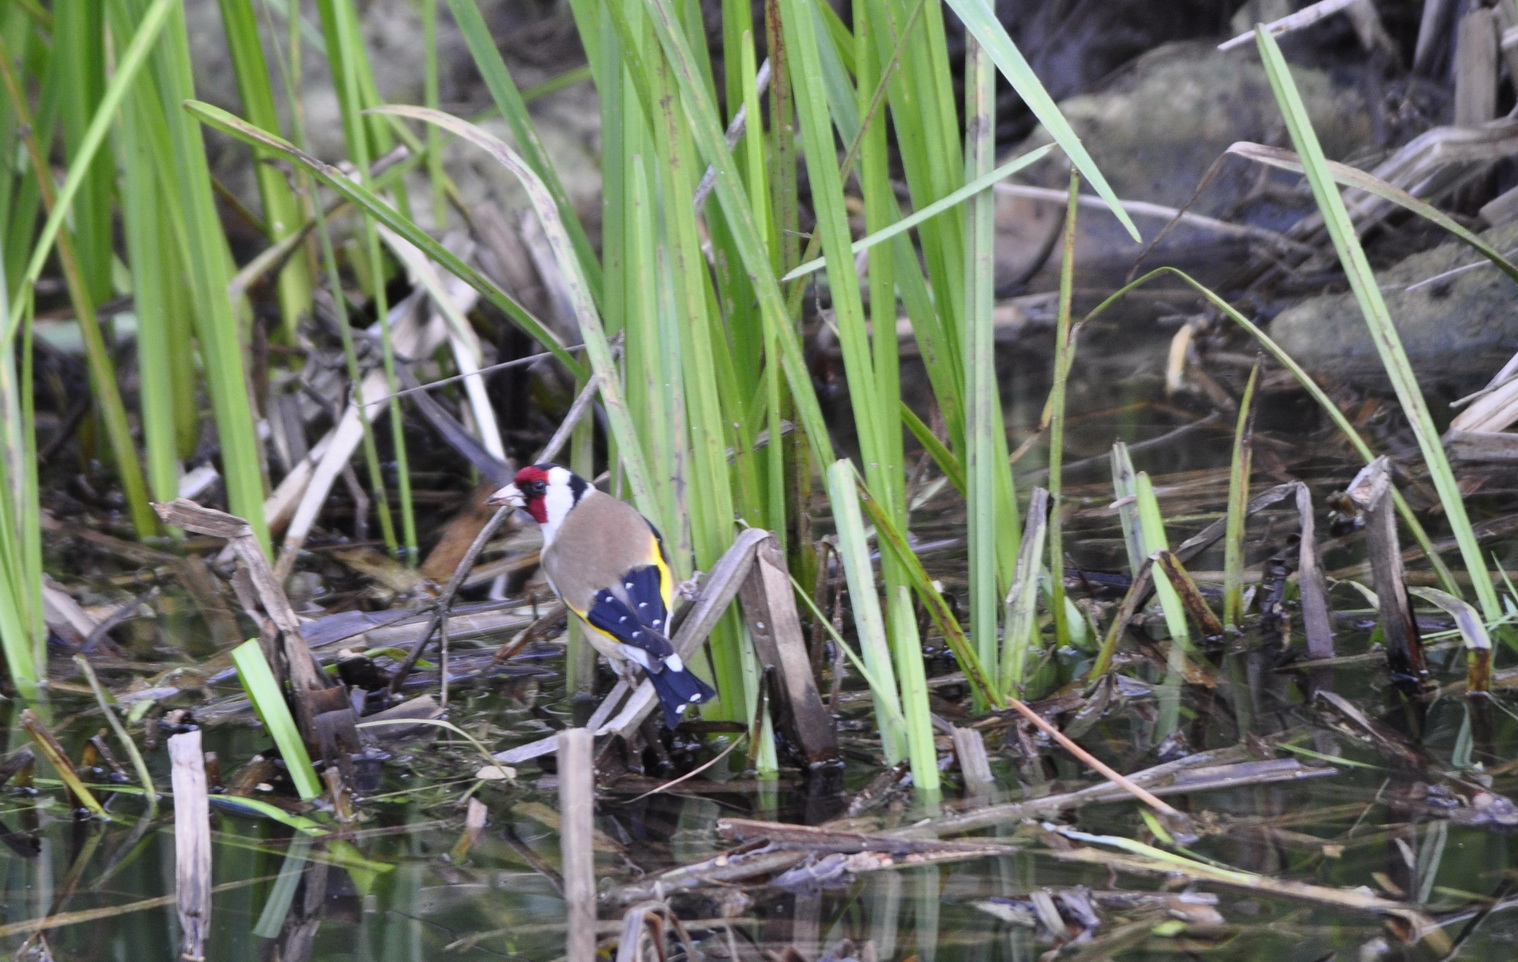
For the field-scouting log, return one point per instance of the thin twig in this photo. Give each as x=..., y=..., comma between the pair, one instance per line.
x=445, y=600
x=1094, y=763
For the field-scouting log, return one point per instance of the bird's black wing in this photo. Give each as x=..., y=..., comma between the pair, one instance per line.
x=614, y=617
x=644, y=589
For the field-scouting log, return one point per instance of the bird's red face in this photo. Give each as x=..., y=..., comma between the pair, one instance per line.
x=546, y=491
x=532, y=487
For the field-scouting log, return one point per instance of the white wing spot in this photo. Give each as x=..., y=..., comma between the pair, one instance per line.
x=694, y=698
x=656, y=622
x=637, y=634
x=628, y=585
x=642, y=604
x=621, y=619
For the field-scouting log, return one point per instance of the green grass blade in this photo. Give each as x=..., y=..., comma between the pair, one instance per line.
x=201, y=244
x=855, y=660
x=281, y=208
x=597, y=348
x=869, y=623
x=1152, y=539
x=983, y=398
x=712, y=411
x=1125, y=490
x=78, y=66
x=1362, y=282
x=107, y=703
x=892, y=541
x=1064, y=361
x=128, y=64
x=220, y=120
x=732, y=198
x=154, y=279
x=22, y=635
x=269, y=701
x=980, y=21
x=1238, y=501
x=508, y=100
x=914, y=696
x=937, y=450
x=1021, y=631
x=976, y=188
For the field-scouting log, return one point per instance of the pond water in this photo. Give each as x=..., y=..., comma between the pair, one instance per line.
x=408, y=883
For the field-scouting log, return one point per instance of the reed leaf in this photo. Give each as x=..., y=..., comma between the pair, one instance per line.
x=1064, y=361
x=980, y=21
x=597, y=348
x=282, y=212
x=1347, y=176
x=982, y=395
x=1362, y=282
x=869, y=623
x=1151, y=540
x=1021, y=632
x=509, y=101
x=269, y=702
x=914, y=697
x=360, y=196
x=200, y=245
x=1239, y=470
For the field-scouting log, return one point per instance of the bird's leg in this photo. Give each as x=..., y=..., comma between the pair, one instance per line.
x=690, y=587
x=626, y=671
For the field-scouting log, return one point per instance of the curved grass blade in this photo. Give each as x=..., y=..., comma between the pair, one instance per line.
x=980, y=20
x=1362, y=282
x=48, y=747
x=107, y=703
x=227, y=123
x=513, y=108
x=1348, y=176
x=969, y=190
x=1478, y=644
x=494, y=768
x=1310, y=386
x=890, y=538
x=258, y=808
x=597, y=347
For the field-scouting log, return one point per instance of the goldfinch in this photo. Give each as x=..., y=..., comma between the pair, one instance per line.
x=607, y=562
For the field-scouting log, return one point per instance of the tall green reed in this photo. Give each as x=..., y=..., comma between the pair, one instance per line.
x=714, y=417
x=712, y=376
x=1362, y=283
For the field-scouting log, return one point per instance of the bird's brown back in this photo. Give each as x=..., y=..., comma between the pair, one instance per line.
x=605, y=537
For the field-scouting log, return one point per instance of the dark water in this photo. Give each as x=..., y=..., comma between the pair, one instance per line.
x=402, y=885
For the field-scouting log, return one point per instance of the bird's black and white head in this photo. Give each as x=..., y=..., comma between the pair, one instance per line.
x=546, y=491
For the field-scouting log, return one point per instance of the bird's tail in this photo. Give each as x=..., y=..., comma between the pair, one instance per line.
x=678, y=689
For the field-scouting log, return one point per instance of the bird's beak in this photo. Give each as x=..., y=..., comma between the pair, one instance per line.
x=508, y=496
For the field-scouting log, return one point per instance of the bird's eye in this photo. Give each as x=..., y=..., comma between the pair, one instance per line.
x=538, y=487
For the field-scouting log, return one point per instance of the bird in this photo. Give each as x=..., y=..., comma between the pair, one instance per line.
x=608, y=564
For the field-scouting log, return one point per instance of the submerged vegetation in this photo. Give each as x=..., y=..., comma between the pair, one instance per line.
x=778, y=196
